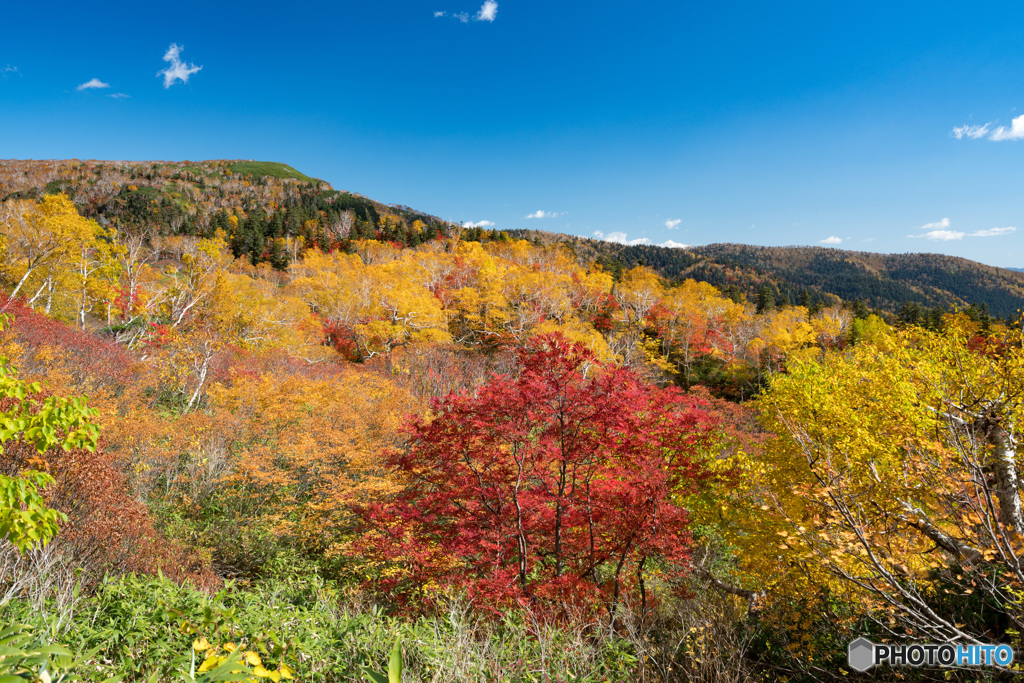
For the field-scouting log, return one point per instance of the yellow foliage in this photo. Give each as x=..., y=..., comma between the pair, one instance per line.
x=308, y=449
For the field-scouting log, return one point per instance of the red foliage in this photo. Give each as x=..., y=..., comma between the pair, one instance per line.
x=91, y=360
x=989, y=346
x=126, y=301
x=343, y=339
x=558, y=486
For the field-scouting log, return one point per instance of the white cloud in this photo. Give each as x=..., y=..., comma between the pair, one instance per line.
x=93, y=83
x=488, y=11
x=831, y=240
x=178, y=70
x=118, y=95
x=992, y=232
x=546, y=214
x=973, y=132
x=478, y=224
x=940, y=232
x=8, y=70
x=620, y=238
x=1014, y=132
x=944, y=235
x=938, y=225
x=673, y=223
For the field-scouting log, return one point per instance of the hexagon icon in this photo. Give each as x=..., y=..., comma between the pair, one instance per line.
x=861, y=654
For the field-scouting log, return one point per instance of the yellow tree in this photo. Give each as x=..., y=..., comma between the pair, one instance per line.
x=95, y=268
x=784, y=334
x=639, y=296
x=305, y=452
x=49, y=248
x=693, y=323
x=894, y=483
x=374, y=307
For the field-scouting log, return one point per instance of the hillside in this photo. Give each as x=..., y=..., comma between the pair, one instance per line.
x=268, y=200
x=381, y=436
x=270, y=211
x=883, y=281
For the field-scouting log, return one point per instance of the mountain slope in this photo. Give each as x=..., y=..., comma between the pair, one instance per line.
x=268, y=200
x=884, y=281
x=264, y=208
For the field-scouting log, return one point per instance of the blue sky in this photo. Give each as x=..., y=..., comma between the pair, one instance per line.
x=885, y=127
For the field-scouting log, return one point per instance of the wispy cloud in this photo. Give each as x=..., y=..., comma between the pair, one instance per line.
x=944, y=223
x=940, y=232
x=93, y=83
x=1014, y=132
x=118, y=96
x=477, y=224
x=178, y=70
x=488, y=11
x=993, y=232
x=831, y=240
x=545, y=214
x=973, y=132
x=673, y=223
x=7, y=70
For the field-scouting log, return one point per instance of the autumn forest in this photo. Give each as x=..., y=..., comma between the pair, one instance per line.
x=255, y=428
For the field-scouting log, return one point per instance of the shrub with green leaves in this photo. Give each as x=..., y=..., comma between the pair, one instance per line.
x=25, y=519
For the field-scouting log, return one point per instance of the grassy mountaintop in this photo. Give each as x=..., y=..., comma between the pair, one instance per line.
x=269, y=169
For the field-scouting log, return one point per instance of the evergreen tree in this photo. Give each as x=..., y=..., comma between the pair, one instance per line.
x=765, y=299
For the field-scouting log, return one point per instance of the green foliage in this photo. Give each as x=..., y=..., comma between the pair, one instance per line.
x=24, y=657
x=25, y=520
x=394, y=674
x=150, y=629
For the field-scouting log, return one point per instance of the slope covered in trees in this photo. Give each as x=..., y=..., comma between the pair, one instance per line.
x=270, y=212
x=818, y=274
x=528, y=463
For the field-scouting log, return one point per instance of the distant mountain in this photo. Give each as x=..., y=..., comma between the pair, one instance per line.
x=883, y=281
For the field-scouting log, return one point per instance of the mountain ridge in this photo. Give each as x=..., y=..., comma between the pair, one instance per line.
x=272, y=201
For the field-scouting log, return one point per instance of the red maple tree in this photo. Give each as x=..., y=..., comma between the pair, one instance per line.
x=559, y=486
